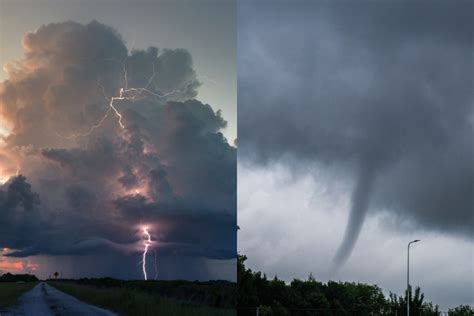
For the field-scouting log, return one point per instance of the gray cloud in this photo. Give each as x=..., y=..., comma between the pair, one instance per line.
x=379, y=90
x=168, y=166
x=20, y=211
x=306, y=224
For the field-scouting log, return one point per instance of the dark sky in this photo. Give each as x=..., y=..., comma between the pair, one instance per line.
x=376, y=96
x=105, y=142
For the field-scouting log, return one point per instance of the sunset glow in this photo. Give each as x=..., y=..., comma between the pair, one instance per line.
x=13, y=265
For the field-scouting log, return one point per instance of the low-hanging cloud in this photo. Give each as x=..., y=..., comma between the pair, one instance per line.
x=379, y=90
x=94, y=169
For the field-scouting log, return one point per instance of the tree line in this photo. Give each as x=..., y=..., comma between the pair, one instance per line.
x=274, y=297
x=9, y=277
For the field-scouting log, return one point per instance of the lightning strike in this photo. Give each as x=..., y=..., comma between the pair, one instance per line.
x=126, y=93
x=147, y=243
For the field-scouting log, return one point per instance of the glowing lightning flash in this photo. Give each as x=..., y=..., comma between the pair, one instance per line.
x=129, y=94
x=147, y=243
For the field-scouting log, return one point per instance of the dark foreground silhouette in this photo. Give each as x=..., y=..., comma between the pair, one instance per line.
x=45, y=300
x=219, y=294
x=22, y=294
x=8, y=277
x=310, y=297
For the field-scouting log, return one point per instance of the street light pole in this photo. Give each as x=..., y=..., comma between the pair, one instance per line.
x=408, y=275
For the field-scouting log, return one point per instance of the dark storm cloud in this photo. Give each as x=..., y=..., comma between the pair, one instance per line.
x=184, y=224
x=20, y=213
x=168, y=166
x=381, y=89
x=173, y=69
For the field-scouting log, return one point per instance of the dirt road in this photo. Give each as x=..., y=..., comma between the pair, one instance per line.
x=45, y=300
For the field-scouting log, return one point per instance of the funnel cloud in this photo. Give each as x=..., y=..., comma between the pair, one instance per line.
x=359, y=205
x=376, y=93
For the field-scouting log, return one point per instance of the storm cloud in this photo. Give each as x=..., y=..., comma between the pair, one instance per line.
x=105, y=141
x=379, y=92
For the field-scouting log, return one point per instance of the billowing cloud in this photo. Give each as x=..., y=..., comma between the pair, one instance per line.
x=107, y=141
x=379, y=92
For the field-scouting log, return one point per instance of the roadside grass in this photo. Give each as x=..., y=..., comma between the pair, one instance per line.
x=10, y=291
x=126, y=301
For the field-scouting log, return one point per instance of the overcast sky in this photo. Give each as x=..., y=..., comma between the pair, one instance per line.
x=355, y=137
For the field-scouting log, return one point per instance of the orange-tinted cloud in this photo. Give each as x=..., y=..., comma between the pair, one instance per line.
x=11, y=266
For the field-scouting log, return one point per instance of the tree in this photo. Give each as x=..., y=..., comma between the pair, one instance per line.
x=463, y=310
x=247, y=292
x=418, y=307
x=311, y=297
x=56, y=275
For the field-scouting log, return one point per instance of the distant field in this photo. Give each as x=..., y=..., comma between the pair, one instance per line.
x=130, y=301
x=10, y=291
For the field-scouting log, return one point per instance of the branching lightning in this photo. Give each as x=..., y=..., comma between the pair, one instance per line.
x=126, y=93
x=131, y=94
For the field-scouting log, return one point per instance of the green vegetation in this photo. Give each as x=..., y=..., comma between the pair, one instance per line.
x=221, y=294
x=127, y=300
x=304, y=298
x=12, y=286
x=10, y=291
x=463, y=310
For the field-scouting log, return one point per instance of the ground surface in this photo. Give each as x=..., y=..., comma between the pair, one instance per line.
x=128, y=301
x=10, y=291
x=44, y=300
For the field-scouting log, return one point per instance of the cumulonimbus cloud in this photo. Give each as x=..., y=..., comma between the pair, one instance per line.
x=82, y=154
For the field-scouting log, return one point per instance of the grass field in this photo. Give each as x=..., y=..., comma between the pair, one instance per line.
x=10, y=291
x=127, y=301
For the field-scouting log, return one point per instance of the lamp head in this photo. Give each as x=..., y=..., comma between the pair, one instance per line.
x=413, y=241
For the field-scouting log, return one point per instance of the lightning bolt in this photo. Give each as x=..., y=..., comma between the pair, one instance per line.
x=126, y=93
x=132, y=94
x=147, y=243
